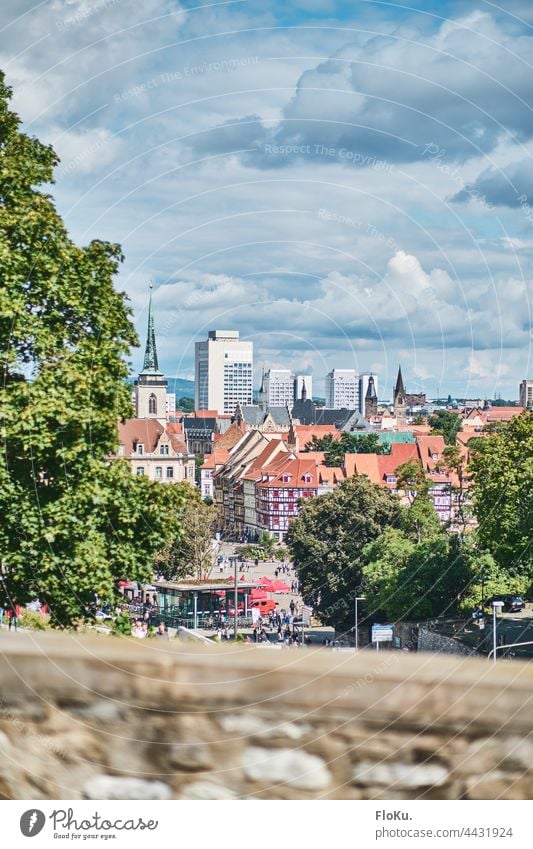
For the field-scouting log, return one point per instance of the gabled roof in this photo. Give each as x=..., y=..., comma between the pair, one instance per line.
x=148, y=432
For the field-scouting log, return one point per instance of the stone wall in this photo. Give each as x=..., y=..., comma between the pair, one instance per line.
x=104, y=717
x=432, y=641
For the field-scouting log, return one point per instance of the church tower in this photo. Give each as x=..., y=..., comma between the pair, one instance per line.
x=371, y=399
x=151, y=385
x=399, y=400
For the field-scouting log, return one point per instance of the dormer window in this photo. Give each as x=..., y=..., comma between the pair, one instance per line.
x=140, y=448
x=434, y=456
x=391, y=478
x=285, y=478
x=163, y=449
x=307, y=478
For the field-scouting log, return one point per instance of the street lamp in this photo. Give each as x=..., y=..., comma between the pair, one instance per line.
x=496, y=608
x=356, y=632
x=233, y=561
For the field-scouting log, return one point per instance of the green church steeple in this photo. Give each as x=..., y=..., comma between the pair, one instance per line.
x=150, y=352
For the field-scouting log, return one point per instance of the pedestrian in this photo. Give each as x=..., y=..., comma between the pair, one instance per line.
x=13, y=614
x=162, y=632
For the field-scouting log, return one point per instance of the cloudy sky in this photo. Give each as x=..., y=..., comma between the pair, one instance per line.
x=349, y=184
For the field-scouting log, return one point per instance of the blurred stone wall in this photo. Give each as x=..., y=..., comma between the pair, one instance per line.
x=105, y=717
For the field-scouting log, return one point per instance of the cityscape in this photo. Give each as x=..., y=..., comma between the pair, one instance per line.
x=266, y=501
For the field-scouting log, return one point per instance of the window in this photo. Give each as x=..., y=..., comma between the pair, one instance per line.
x=139, y=470
x=120, y=450
x=152, y=405
x=163, y=449
x=140, y=448
x=170, y=472
x=159, y=472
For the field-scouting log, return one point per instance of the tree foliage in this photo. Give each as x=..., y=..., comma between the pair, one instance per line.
x=348, y=443
x=502, y=492
x=71, y=524
x=327, y=539
x=190, y=553
x=447, y=424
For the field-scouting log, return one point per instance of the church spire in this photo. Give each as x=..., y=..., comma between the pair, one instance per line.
x=399, y=389
x=150, y=352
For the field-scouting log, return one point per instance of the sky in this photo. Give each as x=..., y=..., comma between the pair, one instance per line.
x=350, y=185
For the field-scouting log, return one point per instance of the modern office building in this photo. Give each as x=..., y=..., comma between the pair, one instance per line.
x=342, y=389
x=223, y=372
x=277, y=388
x=363, y=387
x=526, y=394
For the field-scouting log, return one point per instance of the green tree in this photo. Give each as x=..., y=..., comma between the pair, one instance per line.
x=348, y=443
x=327, y=538
x=502, y=468
x=186, y=405
x=411, y=478
x=447, y=424
x=416, y=581
x=191, y=553
x=71, y=523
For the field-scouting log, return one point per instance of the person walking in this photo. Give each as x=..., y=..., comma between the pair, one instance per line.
x=13, y=614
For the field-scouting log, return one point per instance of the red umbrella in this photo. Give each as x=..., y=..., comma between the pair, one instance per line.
x=279, y=587
x=264, y=580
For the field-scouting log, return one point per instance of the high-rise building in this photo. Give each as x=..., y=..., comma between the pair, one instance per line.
x=151, y=384
x=223, y=372
x=363, y=387
x=277, y=388
x=342, y=389
x=526, y=394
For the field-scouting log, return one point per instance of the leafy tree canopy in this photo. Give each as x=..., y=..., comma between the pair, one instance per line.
x=71, y=523
x=327, y=539
x=446, y=423
x=502, y=492
x=190, y=553
x=348, y=443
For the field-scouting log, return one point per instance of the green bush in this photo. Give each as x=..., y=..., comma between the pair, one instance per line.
x=34, y=621
x=122, y=625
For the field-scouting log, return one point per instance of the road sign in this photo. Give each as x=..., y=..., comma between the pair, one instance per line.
x=382, y=633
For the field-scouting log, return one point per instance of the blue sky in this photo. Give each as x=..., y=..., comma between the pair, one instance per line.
x=348, y=184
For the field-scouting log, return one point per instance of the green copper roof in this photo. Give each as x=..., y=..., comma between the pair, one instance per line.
x=150, y=352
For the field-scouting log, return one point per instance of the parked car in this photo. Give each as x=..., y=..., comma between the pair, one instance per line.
x=511, y=603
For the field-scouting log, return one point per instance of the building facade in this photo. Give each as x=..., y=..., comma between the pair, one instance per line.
x=277, y=388
x=342, y=389
x=223, y=372
x=526, y=394
x=363, y=387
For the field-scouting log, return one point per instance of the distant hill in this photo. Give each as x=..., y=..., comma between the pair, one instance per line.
x=182, y=388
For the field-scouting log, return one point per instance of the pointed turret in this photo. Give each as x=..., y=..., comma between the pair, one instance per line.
x=399, y=400
x=150, y=352
x=371, y=399
x=399, y=388
x=151, y=385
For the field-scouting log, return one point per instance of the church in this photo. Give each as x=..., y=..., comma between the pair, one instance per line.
x=153, y=446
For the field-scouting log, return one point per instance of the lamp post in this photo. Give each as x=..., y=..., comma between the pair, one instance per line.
x=496, y=608
x=357, y=599
x=234, y=561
